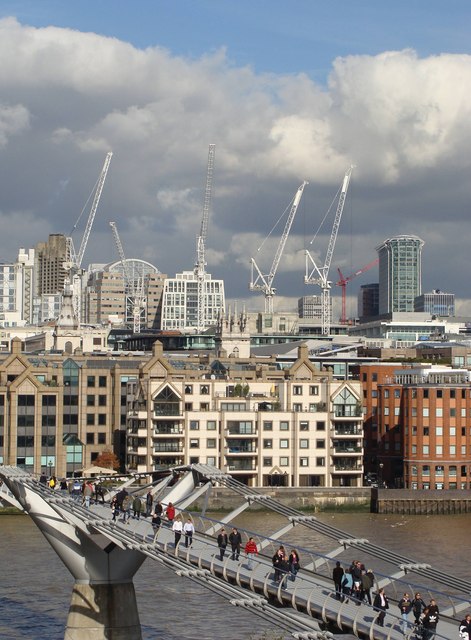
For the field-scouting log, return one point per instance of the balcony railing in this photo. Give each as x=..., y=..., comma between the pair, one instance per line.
x=168, y=431
x=235, y=450
x=341, y=450
x=168, y=447
x=347, y=411
x=343, y=466
x=242, y=466
x=347, y=431
x=233, y=431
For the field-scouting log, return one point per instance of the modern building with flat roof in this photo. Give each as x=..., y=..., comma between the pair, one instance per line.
x=400, y=273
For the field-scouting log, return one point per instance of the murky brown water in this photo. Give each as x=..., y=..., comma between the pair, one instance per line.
x=35, y=587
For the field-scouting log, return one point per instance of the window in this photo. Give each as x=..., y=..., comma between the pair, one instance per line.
x=102, y=381
x=211, y=443
x=204, y=406
x=304, y=426
x=439, y=431
x=386, y=394
x=102, y=438
x=426, y=470
x=267, y=425
x=452, y=450
x=102, y=419
x=452, y=412
x=102, y=401
x=439, y=393
x=425, y=412
x=452, y=431
x=425, y=393
x=284, y=444
x=211, y=460
x=297, y=390
x=397, y=411
x=90, y=381
x=426, y=431
x=297, y=407
x=374, y=377
x=48, y=401
x=414, y=449
x=439, y=471
x=90, y=401
x=304, y=444
x=188, y=406
x=320, y=444
x=320, y=425
x=204, y=389
x=439, y=412
x=284, y=461
x=313, y=390
x=386, y=411
x=50, y=441
x=425, y=449
x=211, y=425
x=90, y=419
x=284, y=426
x=267, y=462
x=189, y=389
x=194, y=425
x=268, y=444
x=303, y=462
x=452, y=471
x=414, y=470
x=439, y=450
x=194, y=443
x=90, y=438
x=452, y=393
x=320, y=462
x=397, y=393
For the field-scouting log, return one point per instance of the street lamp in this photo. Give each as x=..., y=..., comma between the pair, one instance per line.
x=381, y=465
x=50, y=463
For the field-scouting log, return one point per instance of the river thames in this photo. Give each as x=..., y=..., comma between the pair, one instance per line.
x=35, y=586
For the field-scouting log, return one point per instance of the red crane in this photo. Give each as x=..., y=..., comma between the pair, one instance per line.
x=343, y=283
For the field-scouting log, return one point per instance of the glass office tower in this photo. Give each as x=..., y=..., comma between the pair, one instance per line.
x=400, y=273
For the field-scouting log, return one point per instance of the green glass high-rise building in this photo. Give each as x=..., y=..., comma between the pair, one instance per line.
x=400, y=273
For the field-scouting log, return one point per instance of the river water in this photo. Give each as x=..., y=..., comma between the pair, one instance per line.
x=35, y=586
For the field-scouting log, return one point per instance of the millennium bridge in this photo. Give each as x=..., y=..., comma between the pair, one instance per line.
x=103, y=556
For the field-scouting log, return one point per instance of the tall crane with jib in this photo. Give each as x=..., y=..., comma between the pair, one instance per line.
x=73, y=261
x=265, y=282
x=320, y=275
x=200, y=264
x=135, y=299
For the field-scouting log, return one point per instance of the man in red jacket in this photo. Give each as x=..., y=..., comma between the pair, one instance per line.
x=251, y=551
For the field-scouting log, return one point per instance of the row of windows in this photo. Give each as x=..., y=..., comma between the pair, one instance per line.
x=439, y=450
x=267, y=444
x=248, y=427
x=283, y=461
x=439, y=470
x=451, y=431
x=297, y=390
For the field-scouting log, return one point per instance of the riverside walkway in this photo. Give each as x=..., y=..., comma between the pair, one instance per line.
x=305, y=607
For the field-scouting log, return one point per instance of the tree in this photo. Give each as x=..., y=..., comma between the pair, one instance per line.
x=108, y=460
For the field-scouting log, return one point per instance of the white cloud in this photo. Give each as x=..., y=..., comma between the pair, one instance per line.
x=404, y=121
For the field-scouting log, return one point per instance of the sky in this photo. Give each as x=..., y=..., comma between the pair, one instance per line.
x=287, y=91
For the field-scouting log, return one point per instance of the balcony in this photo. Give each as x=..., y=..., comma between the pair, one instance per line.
x=347, y=411
x=140, y=414
x=168, y=447
x=347, y=430
x=242, y=465
x=235, y=448
x=234, y=431
x=340, y=450
x=174, y=430
x=346, y=466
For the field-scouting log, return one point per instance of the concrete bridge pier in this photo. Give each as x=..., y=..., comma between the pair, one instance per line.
x=99, y=611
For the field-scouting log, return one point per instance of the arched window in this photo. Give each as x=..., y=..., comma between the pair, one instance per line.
x=167, y=403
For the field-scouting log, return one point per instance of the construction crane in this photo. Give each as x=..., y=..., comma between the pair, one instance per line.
x=320, y=275
x=343, y=283
x=265, y=282
x=136, y=300
x=200, y=265
x=73, y=261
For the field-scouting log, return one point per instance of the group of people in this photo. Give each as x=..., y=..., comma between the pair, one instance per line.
x=353, y=582
x=285, y=566
x=356, y=582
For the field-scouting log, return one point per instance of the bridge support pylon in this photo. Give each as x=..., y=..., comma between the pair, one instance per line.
x=103, y=604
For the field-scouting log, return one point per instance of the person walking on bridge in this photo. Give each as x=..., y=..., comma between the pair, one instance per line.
x=188, y=530
x=418, y=605
x=251, y=551
x=222, y=543
x=149, y=502
x=294, y=564
x=405, y=605
x=381, y=604
x=465, y=628
x=337, y=575
x=177, y=529
x=235, y=540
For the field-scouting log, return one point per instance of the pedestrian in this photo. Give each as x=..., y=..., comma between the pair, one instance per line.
x=99, y=493
x=177, y=528
x=136, y=508
x=347, y=585
x=126, y=508
x=114, y=508
x=405, y=605
x=418, y=605
x=276, y=560
x=76, y=490
x=283, y=567
x=381, y=604
x=170, y=512
x=159, y=508
x=87, y=494
x=356, y=577
x=429, y=620
x=337, y=575
x=251, y=551
x=149, y=502
x=294, y=564
x=235, y=540
x=52, y=482
x=367, y=582
x=465, y=628
x=63, y=485
x=43, y=479
x=188, y=530
x=222, y=541
x=156, y=521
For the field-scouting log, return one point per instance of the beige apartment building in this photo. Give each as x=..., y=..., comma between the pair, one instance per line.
x=264, y=425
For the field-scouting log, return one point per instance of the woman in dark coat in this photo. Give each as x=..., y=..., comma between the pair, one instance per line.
x=381, y=604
